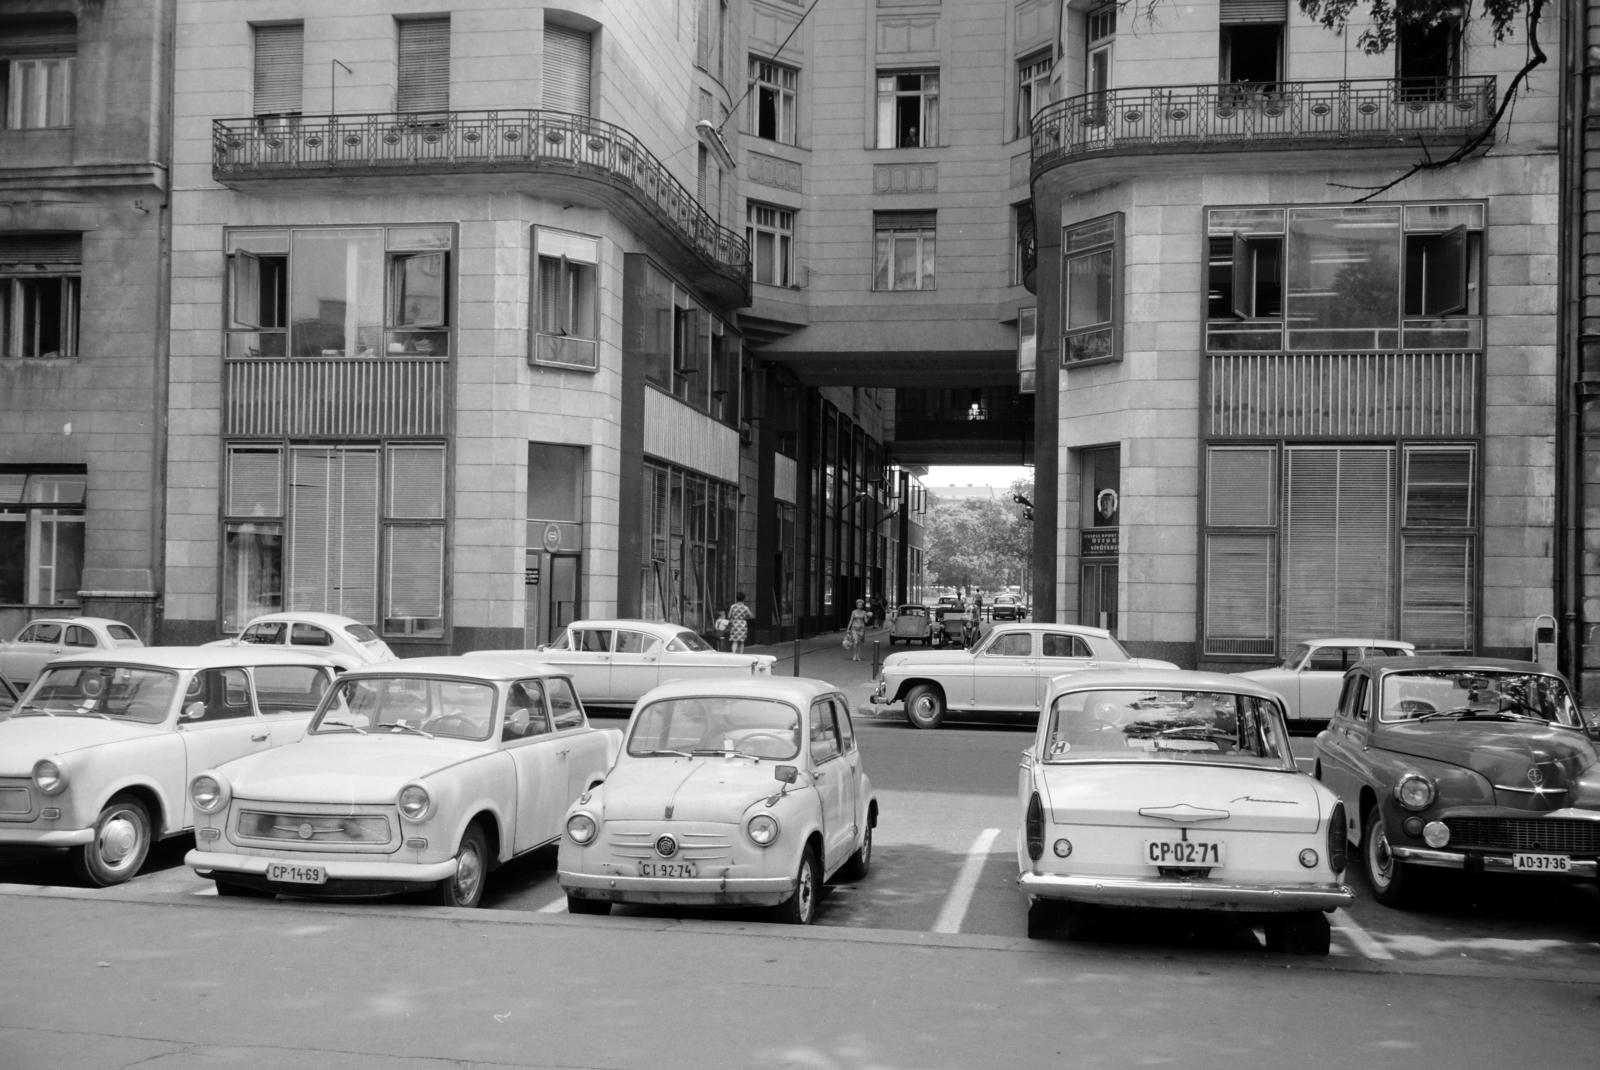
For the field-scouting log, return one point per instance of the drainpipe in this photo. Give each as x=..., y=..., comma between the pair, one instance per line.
x=162, y=351
x=1569, y=555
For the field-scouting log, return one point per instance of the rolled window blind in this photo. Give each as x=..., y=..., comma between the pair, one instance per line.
x=29, y=249
x=1241, y=605
x=566, y=69
x=1338, y=547
x=333, y=531
x=416, y=572
x=1436, y=592
x=40, y=37
x=1237, y=11
x=255, y=482
x=416, y=482
x=280, y=59
x=424, y=77
x=1240, y=486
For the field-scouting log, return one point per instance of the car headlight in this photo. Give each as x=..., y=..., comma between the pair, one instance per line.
x=414, y=802
x=1414, y=792
x=49, y=777
x=581, y=828
x=763, y=830
x=208, y=793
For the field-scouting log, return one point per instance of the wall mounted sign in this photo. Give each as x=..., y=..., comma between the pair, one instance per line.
x=1105, y=543
x=552, y=538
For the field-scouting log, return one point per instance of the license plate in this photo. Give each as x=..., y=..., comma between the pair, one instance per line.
x=1184, y=853
x=1541, y=863
x=667, y=869
x=278, y=871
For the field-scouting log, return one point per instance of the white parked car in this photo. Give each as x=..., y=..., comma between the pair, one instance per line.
x=42, y=641
x=614, y=662
x=1309, y=679
x=729, y=792
x=416, y=775
x=1008, y=671
x=343, y=641
x=98, y=753
x=1175, y=789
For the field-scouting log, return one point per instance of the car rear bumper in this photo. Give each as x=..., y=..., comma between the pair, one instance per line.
x=1423, y=856
x=344, y=878
x=684, y=891
x=1202, y=894
x=45, y=837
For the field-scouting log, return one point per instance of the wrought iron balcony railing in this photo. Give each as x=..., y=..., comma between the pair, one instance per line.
x=1278, y=115
x=464, y=142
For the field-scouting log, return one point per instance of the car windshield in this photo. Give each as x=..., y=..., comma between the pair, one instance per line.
x=1135, y=725
x=458, y=709
x=687, y=640
x=758, y=728
x=1477, y=694
x=111, y=691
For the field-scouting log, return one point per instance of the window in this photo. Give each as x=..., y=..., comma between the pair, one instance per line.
x=1346, y=278
x=267, y=633
x=1023, y=259
x=1100, y=33
x=1427, y=57
x=1015, y=645
x=414, y=541
x=81, y=637
x=566, y=68
x=565, y=712
x=769, y=108
x=1033, y=89
x=252, y=571
x=686, y=349
x=769, y=231
x=568, y=322
x=824, y=732
x=279, y=70
x=690, y=538
x=1059, y=645
x=41, y=537
x=39, y=291
x=36, y=67
x=1251, y=46
x=1091, y=283
x=636, y=643
x=423, y=74
x=309, y=635
x=288, y=688
x=904, y=252
x=218, y=695
x=339, y=292
x=526, y=715
x=908, y=109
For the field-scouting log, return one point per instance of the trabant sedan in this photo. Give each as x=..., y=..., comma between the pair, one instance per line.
x=1309, y=679
x=97, y=754
x=1473, y=764
x=729, y=793
x=42, y=641
x=419, y=775
x=614, y=662
x=1008, y=671
x=1175, y=789
x=344, y=641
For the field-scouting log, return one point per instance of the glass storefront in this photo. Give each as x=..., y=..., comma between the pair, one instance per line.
x=691, y=534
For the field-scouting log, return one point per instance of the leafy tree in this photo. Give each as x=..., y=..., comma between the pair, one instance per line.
x=978, y=542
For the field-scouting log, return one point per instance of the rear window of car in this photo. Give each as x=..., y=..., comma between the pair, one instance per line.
x=687, y=640
x=361, y=633
x=122, y=631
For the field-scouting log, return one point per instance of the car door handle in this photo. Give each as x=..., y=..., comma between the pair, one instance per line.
x=650, y=657
x=55, y=650
x=262, y=738
x=563, y=753
x=818, y=775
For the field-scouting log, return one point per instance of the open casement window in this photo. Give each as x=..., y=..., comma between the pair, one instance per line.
x=725, y=365
x=41, y=537
x=423, y=73
x=1427, y=58
x=769, y=111
x=1091, y=284
x=691, y=352
x=908, y=109
x=414, y=542
x=1437, y=273
x=566, y=308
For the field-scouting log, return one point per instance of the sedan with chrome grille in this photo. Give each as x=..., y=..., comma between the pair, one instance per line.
x=729, y=793
x=416, y=775
x=1473, y=764
x=1175, y=789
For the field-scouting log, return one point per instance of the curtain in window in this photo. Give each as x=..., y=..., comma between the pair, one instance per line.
x=1338, y=548
x=333, y=531
x=280, y=56
x=424, y=75
x=566, y=69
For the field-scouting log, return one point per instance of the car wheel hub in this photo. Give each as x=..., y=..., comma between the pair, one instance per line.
x=469, y=871
x=118, y=839
x=1382, y=858
x=805, y=891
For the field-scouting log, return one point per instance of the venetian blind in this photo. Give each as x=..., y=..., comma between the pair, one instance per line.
x=1338, y=549
x=416, y=572
x=904, y=220
x=424, y=77
x=333, y=531
x=1240, y=487
x=1241, y=588
x=255, y=481
x=1436, y=592
x=566, y=69
x=280, y=55
x=416, y=482
x=1236, y=11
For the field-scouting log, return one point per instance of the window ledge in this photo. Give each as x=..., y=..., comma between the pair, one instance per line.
x=1070, y=364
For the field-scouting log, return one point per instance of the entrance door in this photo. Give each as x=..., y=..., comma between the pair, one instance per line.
x=1097, y=595
x=562, y=608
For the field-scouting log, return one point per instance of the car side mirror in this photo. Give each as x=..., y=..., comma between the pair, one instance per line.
x=786, y=773
x=194, y=711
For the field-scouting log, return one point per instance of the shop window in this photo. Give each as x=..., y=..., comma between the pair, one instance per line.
x=1091, y=283
x=41, y=537
x=414, y=541
x=691, y=531
x=905, y=245
x=36, y=71
x=769, y=113
x=769, y=232
x=908, y=109
x=1033, y=89
x=568, y=324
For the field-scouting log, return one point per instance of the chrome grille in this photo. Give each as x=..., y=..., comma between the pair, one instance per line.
x=1562, y=835
x=692, y=846
x=369, y=830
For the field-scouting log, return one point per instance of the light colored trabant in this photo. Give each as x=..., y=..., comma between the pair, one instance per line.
x=344, y=641
x=1309, y=679
x=98, y=753
x=729, y=792
x=43, y=640
x=614, y=662
x=1008, y=671
x=1175, y=789
x=416, y=775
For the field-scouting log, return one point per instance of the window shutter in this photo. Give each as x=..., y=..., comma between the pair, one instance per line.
x=1436, y=593
x=255, y=482
x=1241, y=487
x=416, y=482
x=416, y=572
x=280, y=54
x=39, y=37
x=566, y=69
x=703, y=35
x=30, y=250
x=1236, y=11
x=424, y=82
x=1241, y=588
x=1338, y=556
x=1244, y=278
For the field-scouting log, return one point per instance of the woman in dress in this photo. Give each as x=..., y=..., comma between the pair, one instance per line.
x=858, y=628
x=739, y=617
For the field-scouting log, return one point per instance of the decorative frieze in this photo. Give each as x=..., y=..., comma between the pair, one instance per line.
x=772, y=171
x=905, y=178
x=902, y=35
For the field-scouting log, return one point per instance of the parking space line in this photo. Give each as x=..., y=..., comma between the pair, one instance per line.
x=960, y=897
x=557, y=905
x=1359, y=937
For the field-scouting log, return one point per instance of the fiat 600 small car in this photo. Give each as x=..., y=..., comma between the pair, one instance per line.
x=98, y=752
x=1009, y=670
x=912, y=624
x=415, y=775
x=1309, y=679
x=728, y=793
x=1463, y=763
x=1175, y=789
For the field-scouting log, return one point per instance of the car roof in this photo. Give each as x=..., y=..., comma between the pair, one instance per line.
x=327, y=620
x=1158, y=680
x=912, y=605
x=1028, y=626
x=102, y=621
x=192, y=657
x=488, y=665
x=658, y=627
x=1457, y=661
x=1349, y=641
x=800, y=690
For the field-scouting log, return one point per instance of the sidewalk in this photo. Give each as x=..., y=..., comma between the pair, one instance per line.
x=823, y=657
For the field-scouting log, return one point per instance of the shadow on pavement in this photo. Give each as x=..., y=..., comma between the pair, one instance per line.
x=54, y=867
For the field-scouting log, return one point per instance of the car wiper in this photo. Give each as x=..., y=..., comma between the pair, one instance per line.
x=726, y=753
x=402, y=726
x=341, y=724
x=667, y=753
x=41, y=709
x=1457, y=712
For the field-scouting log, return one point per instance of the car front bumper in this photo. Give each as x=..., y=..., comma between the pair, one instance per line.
x=45, y=837
x=1424, y=856
x=1171, y=892
x=345, y=878
x=683, y=891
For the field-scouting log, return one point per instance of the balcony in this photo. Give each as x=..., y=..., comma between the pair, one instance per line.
x=529, y=150
x=1252, y=117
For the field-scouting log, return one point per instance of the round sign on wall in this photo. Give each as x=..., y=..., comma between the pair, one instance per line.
x=552, y=538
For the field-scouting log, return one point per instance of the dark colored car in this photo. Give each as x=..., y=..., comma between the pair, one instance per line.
x=1477, y=764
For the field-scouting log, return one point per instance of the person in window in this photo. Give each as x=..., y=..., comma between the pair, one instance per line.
x=856, y=630
x=739, y=617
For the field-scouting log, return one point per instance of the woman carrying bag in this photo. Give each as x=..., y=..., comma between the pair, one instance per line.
x=856, y=633
x=739, y=617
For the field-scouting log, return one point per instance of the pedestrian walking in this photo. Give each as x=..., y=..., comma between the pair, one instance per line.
x=739, y=617
x=856, y=631
x=969, y=628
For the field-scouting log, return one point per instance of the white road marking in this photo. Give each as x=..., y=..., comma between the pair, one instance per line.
x=960, y=897
x=212, y=890
x=1359, y=937
x=555, y=906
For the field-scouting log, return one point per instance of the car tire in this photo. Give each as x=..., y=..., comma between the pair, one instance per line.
x=465, y=888
x=801, y=907
x=230, y=890
x=1390, y=878
x=858, y=864
x=925, y=706
x=1302, y=933
x=120, y=845
x=596, y=907
x=1045, y=917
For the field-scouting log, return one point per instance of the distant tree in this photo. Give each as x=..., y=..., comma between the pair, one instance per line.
x=976, y=541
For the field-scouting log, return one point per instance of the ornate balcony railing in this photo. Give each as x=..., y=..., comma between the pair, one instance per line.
x=459, y=142
x=1279, y=115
